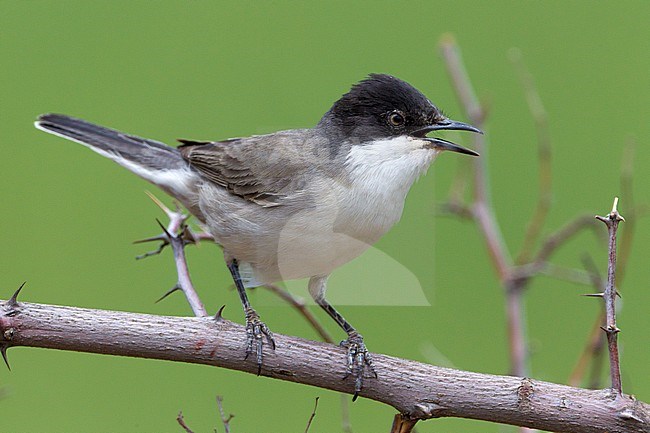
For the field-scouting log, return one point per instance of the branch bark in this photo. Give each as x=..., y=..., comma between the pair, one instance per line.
x=418, y=391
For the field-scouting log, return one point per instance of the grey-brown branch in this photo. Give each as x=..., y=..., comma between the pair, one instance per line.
x=416, y=390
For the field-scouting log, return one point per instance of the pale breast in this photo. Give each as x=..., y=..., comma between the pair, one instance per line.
x=343, y=218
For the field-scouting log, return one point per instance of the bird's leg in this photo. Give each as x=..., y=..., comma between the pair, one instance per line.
x=358, y=358
x=256, y=330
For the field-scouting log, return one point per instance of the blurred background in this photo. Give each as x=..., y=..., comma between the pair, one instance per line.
x=213, y=70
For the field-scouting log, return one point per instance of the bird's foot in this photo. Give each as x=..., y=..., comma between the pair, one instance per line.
x=256, y=332
x=359, y=361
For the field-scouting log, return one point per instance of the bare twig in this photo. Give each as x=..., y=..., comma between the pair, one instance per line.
x=225, y=420
x=346, y=426
x=544, y=150
x=482, y=208
x=311, y=417
x=181, y=422
x=561, y=236
x=572, y=275
x=516, y=330
x=611, y=221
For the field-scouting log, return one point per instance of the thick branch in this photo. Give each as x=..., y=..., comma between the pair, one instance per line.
x=417, y=390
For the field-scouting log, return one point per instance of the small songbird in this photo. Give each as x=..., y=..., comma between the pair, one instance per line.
x=296, y=203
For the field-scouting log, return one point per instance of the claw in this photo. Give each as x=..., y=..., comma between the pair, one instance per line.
x=359, y=360
x=256, y=331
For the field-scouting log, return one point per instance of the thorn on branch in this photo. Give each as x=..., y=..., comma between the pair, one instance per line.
x=13, y=301
x=176, y=288
x=164, y=229
x=219, y=316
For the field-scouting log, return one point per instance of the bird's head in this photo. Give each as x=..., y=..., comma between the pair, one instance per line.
x=382, y=106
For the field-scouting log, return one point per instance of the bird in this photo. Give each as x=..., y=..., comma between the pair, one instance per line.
x=296, y=203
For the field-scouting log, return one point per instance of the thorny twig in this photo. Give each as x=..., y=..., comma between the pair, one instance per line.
x=594, y=346
x=177, y=235
x=611, y=221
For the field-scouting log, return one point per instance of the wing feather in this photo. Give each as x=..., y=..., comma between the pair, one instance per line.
x=261, y=169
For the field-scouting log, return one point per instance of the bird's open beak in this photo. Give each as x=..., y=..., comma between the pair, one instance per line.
x=441, y=144
x=449, y=124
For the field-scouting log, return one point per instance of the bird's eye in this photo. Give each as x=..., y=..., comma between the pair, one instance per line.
x=396, y=118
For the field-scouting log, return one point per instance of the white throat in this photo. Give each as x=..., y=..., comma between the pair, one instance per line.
x=381, y=174
x=390, y=165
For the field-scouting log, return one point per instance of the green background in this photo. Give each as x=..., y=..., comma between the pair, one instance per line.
x=211, y=70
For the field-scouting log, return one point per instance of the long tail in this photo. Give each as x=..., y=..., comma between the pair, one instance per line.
x=155, y=162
